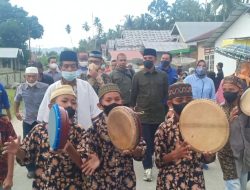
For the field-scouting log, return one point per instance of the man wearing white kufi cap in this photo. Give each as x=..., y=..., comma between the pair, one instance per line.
x=31, y=92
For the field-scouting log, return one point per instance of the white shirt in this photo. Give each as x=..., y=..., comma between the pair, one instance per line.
x=87, y=101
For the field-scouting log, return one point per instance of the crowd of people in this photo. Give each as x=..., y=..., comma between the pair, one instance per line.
x=88, y=90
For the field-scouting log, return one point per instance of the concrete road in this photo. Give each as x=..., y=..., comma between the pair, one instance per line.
x=213, y=176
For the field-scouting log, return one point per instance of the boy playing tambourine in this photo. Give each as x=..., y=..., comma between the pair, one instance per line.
x=55, y=170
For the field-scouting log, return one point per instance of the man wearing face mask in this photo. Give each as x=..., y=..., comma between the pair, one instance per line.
x=179, y=166
x=86, y=97
x=83, y=65
x=96, y=58
x=31, y=92
x=166, y=59
x=202, y=86
x=149, y=94
x=53, y=70
x=234, y=156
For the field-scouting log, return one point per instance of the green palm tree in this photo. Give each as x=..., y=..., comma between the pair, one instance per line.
x=86, y=27
x=129, y=22
x=68, y=30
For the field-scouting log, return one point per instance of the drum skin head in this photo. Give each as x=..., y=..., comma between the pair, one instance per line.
x=123, y=128
x=58, y=127
x=245, y=102
x=204, y=125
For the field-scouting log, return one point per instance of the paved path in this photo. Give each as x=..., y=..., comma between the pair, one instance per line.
x=213, y=176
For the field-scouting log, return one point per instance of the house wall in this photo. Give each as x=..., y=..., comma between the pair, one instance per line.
x=200, y=50
x=240, y=28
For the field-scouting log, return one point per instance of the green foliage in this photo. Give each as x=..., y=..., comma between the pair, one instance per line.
x=16, y=27
x=160, y=11
x=161, y=16
x=68, y=29
x=186, y=10
x=225, y=7
x=86, y=27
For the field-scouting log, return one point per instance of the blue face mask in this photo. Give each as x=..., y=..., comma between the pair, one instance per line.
x=69, y=75
x=200, y=71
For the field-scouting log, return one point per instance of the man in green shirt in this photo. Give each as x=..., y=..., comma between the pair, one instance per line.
x=122, y=76
x=149, y=94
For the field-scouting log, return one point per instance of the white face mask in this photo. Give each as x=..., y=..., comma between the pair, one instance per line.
x=53, y=65
x=31, y=84
x=83, y=63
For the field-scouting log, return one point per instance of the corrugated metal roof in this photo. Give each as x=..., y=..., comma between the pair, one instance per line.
x=231, y=19
x=9, y=52
x=190, y=30
x=202, y=37
x=165, y=46
x=147, y=35
x=133, y=39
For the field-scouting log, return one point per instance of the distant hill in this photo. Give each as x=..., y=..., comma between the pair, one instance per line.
x=44, y=50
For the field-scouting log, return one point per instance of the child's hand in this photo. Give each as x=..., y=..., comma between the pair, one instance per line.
x=137, y=152
x=12, y=146
x=7, y=183
x=234, y=114
x=181, y=150
x=92, y=163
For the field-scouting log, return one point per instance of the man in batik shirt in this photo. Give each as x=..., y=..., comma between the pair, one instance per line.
x=54, y=169
x=179, y=166
x=116, y=171
x=234, y=156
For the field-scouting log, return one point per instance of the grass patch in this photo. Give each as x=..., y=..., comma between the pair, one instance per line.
x=11, y=94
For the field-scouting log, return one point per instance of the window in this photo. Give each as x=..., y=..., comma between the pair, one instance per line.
x=209, y=58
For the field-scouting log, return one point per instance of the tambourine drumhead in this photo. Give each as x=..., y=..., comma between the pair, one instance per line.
x=245, y=102
x=58, y=127
x=123, y=128
x=204, y=125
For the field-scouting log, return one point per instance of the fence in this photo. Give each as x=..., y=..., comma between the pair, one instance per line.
x=10, y=78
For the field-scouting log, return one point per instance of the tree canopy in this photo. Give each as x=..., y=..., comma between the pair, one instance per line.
x=16, y=27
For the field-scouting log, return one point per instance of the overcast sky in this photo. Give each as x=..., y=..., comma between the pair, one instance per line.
x=54, y=15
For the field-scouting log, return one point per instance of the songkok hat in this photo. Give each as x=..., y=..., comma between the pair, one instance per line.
x=149, y=51
x=179, y=89
x=31, y=70
x=62, y=90
x=110, y=87
x=68, y=56
x=232, y=79
x=96, y=54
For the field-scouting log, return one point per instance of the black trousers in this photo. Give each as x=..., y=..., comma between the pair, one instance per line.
x=148, y=133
